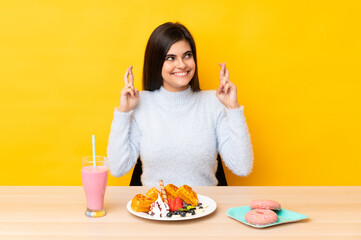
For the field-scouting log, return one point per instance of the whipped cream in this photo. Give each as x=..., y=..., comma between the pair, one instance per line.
x=159, y=208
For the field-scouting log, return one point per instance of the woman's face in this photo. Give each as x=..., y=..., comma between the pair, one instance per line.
x=178, y=67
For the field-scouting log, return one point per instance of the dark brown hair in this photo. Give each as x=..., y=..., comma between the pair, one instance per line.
x=159, y=43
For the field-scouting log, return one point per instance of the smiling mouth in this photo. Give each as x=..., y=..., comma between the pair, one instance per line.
x=180, y=74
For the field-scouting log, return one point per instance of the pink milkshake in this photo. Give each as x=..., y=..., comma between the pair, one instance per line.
x=94, y=182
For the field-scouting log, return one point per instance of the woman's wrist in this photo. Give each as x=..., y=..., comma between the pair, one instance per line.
x=233, y=106
x=120, y=109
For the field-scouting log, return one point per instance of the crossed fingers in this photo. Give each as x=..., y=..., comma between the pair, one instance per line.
x=129, y=83
x=225, y=84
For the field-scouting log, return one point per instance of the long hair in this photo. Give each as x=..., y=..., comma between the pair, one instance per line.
x=159, y=43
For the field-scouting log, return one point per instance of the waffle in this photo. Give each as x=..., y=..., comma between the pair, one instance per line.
x=171, y=191
x=186, y=193
x=153, y=193
x=141, y=203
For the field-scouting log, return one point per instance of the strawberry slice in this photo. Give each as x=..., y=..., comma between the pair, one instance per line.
x=171, y=203
x=178, y=203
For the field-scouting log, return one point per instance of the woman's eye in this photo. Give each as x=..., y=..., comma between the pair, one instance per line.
x=169, y=58
x=188, y=55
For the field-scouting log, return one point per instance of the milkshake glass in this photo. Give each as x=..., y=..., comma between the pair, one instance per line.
x=94, y=180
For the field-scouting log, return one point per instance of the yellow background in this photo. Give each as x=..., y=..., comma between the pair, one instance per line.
x=296, y=65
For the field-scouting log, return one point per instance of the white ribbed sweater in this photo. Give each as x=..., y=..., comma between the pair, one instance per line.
x=178, y=136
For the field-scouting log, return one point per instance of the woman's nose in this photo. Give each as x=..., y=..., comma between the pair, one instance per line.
x=181, y=63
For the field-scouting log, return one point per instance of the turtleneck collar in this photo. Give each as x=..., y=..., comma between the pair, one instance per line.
x=174, y=99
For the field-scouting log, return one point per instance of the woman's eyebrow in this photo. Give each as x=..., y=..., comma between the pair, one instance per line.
x=173, y=55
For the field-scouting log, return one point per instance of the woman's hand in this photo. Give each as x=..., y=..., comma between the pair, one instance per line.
x=227, y=91
x=129, y=96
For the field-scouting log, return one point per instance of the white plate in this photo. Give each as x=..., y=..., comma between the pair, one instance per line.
x=202, y=199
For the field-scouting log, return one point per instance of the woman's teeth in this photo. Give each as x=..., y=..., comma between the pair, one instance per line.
x=180, y=73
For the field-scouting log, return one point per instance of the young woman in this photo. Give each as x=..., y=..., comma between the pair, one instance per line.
x=176, y=128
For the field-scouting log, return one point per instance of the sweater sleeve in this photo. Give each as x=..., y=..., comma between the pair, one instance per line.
x=233, y=141
x=123, y=144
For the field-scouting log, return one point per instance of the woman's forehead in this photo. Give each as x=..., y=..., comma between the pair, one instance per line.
x=179, y=48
